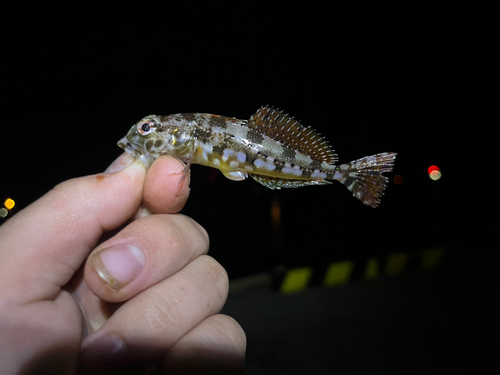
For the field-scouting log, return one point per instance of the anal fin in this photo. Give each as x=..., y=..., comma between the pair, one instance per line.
x=278, y=183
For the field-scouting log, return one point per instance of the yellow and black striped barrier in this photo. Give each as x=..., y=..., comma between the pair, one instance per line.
x=293, y=280
x=341, y=272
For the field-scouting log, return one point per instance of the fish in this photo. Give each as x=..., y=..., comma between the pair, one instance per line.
x=273, y=148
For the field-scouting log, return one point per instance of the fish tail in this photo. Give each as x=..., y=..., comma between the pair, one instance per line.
x=364, y=177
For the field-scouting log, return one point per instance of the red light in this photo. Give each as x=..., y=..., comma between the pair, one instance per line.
x=398, y=179
x=433, y=168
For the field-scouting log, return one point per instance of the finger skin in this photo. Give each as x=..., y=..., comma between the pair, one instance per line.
x=168, y=243
x=166, y=187
x=63, y=226
x=160, y=192
x=215, y=346
x=145, y=327
x=40, y=249
x=121, y=162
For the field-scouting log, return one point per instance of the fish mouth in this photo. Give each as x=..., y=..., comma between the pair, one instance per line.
x=138, y=153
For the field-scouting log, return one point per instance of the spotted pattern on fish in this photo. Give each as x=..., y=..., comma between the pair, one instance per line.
x=255, y=138
x=217, y=122
x=271, y=147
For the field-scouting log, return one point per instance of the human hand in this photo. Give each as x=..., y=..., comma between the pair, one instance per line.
x=147, y=297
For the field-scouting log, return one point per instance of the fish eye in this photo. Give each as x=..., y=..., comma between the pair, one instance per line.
x=145, y=127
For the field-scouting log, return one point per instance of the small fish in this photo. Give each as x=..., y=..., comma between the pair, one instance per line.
x=271, y=147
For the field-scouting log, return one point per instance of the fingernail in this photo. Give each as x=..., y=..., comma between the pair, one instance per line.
x=118, y=265
x=122, y=161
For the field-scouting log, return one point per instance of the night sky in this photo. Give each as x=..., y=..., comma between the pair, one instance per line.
x=422, y=82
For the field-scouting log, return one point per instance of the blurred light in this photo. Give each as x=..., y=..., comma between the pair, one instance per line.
x=3, y=212
x=398, y=179
x=434, y=172
x=276, y=212
x=435, y=175
x=9, y=203
x=433, y=168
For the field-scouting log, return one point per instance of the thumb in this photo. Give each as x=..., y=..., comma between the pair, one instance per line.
x=42, y=246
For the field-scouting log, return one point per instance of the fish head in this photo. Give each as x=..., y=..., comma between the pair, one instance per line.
x=154, y=136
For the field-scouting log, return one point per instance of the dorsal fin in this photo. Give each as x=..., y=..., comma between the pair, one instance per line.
x=280, y=127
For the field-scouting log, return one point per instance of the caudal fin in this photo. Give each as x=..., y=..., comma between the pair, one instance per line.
x=364, y=177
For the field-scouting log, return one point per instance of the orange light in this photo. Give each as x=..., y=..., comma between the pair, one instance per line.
x=9, y=203
x=276, y=212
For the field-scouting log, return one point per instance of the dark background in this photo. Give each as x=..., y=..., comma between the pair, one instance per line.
x=418, y=80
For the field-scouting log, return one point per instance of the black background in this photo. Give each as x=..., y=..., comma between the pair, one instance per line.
x=420, y=80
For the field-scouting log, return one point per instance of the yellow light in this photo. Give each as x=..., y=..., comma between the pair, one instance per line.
x=9, y=203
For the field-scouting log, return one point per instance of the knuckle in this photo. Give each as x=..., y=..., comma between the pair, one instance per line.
x=186, y=233
x=216, y=274
x=175, y=231
x=164, y=230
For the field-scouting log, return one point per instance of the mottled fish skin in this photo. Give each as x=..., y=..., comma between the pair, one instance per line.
x=271, y=147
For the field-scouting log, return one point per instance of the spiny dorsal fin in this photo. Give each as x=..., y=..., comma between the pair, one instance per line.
x=280, y=127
